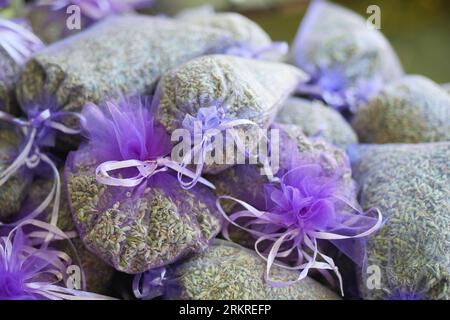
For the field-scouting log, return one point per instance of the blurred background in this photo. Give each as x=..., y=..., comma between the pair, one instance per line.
x=419, y=30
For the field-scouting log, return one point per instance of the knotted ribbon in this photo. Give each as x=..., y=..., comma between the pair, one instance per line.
x=155, y=283
x=301, y=240
x=216, y=122
x=30, y=156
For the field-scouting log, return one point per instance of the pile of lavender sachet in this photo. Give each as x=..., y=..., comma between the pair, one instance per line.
x=191, y=157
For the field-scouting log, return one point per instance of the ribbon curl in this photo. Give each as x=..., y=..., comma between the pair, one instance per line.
x=304, y=211
x=212, y=122
x=30, y=156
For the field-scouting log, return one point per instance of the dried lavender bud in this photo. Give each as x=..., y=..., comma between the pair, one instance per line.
x=13, y=191
x=317, y=120
x=229, y=272
x=409, y=184
x=246, y=89
x=9, y=71
x=98, y=274
x=411, y=110
x=125, y=54
x=243, y=29
x=138, y=230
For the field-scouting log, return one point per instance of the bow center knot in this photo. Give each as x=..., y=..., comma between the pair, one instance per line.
x=40, y=119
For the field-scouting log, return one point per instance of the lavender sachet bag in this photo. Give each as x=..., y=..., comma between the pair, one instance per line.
x=310, y=201
x=225, y=271
x=409, y=257
x=253, y=42
x=127, y=204
x=411, y=110
x=97, y=274
x=348, y=59
x=12, y=190
x=121, y=54
x=317, y=120
x=211, y=94
x=17, y=44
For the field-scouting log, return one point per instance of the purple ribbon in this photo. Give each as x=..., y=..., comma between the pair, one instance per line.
x=31, y=156
x=18, y=41
x=210, y=122
x=155, y=283
x=296, y=232
x=274, y=50
x=24, y=266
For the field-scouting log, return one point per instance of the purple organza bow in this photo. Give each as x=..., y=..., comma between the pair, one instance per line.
x=97, y=9
x=18, y=41
x=125, y=136
x=275, y=51
x=306, y=205
x=331, y=85
x=155, y=283
x=30, y=270
x=37, y=131
x=210, y=122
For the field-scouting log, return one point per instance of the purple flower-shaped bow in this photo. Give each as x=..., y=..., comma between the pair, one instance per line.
x=306, y=205
x=30, y=271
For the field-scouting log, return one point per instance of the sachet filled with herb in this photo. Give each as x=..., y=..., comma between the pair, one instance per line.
x=411, y=110
x=97, y=274
x=120, y=55
x=127, y=204
x=213, y=95
x=410, y=185
x=348, y=59
x=310, y=201
x=317, y=120
x=225, y=271
x=253, y=41
x=13, y=190
x=17, y=44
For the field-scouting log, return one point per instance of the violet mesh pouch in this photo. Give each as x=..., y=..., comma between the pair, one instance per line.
x=410, y=185
x=227, y=271
x=411, y=110
x=348, y=61
x=147, y=225
x=122, y=54
x=219, y=90
x=317, y=120
x=13, y=191
x=97, y=274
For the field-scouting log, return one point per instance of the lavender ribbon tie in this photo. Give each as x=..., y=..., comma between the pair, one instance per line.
x=40, y=279
x=301, y=240
x=146, y=170
x=213, y=122
x=31, y=156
